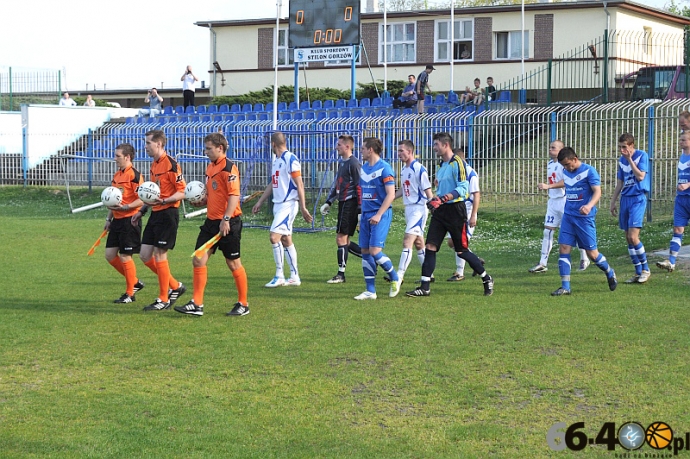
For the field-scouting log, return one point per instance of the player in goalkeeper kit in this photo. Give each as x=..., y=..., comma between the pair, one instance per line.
x=449, y=214
x=348, y=193
x=123, y=236
x=160, y=233
x=223, y=216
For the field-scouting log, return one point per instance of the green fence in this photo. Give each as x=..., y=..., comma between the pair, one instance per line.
x=602, y=70
x=28, y=86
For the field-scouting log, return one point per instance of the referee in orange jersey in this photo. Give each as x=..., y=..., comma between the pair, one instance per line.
x=160, y=233
x=223, y=216
x=123, y=236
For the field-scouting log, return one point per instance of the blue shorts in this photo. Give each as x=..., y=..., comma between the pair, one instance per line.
x=632, y=211
x=374, y=235
x=681, y=211
x=578, y=231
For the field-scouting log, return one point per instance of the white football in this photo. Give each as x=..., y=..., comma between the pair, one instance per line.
x=111, y=197
x=149, y=192
x=195, y=192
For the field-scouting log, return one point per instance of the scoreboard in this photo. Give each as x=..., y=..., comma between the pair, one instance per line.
x=320, y=23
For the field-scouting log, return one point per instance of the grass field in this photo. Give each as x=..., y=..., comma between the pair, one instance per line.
x=311, y=372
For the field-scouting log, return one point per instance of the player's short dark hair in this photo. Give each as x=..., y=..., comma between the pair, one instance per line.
x=218, y=140
x=460, y=151
x=278, y=138
x=126, y=149
x=374, y=144
x=566, y=153
x=348, y=139
x=408, y=144
x=627, y=139
x=443, y=137
x=157, y=136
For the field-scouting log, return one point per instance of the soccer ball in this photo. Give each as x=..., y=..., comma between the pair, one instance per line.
x=111, y=197
x=149, y=192
x=195, y=192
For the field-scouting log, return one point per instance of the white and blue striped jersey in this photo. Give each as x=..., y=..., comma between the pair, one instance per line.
x=554, y=174
x=414, y=180
x=284, y=187
x=684, y=173
x=373, y=181
x=632, y=186
x=473, y=180
x=578, y=189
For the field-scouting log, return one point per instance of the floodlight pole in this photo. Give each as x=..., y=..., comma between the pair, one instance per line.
x=452, y=42
x=385, y=46
x=279, y=5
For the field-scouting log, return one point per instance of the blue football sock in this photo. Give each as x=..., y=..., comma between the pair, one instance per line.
x=564, y=270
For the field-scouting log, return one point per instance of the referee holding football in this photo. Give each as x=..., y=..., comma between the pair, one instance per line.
x=449, y=214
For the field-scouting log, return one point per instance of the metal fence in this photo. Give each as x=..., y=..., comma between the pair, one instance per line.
x=509, y=148
x=28, y=86
x=596, y=71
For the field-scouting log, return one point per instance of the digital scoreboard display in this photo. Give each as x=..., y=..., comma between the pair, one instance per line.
x=317, y=23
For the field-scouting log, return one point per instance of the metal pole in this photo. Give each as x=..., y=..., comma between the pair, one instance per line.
x=296, y=84
x=650, y=152
x=522, y=39
x=452, y=44
x=11, y=106
x=279, y=5
x=605, y=73
x=353, y=71
x=89, y=155
x=385, y=46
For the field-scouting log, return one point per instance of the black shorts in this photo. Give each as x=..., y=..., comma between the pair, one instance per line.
x=161, y=229
x=347, y=217
x=229, y=244
x=449, y=218
x=125, y=236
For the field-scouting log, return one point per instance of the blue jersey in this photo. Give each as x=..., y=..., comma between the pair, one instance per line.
x=578, y=189
x=373, y=180
x=684, y=173
x=452, y=176
x=632, y=186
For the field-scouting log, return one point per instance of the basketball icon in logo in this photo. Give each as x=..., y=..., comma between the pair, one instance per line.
x=659, y=435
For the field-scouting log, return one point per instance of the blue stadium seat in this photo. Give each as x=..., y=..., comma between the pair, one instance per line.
x=168, y=110
x=218, y=118
x=352, y=103
x=384, y=112
x=251, y=116
x=365, y=102
x=304, y=105
x=333, y=114
x=258, y=107
x=224, y=108
x=318, y=105
x=130, y=120
x=376, y=102
x=201, y=109
x=321, y=116
x=428, y=99
x=345, y=114
x=269, y=107
x=293, y=106
x=408, y=111
x=213, y=109
x=284, y=115
x=395, y=112
x=179, y=110
x=357, y=113
x=503, y=96
x=246, y=108
x=189, y=110
x=440, y=99
x=194, y=118
x=282, y=106
x=328, y=104
x=387, y=101
x=309, y=115
x=263, y=116
x=241, y=117
x=370, y=112
x=428, y=110
x=340, y=103
x=183, y=119
x=298, y=116
x=206, y=119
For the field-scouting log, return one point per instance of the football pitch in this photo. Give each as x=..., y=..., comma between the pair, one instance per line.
x=313, y=373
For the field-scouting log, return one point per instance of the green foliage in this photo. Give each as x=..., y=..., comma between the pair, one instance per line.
x=99, y=102
x=285, y=94
x=680, y=10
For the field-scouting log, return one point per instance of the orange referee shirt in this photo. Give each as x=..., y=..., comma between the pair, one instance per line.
x=222, y=181
x=167, y=174
x=127, y=181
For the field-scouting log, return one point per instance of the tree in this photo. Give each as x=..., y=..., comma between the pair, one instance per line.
x=675, y=8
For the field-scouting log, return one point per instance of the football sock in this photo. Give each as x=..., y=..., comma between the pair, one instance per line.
x=564, y=270
x=428, y=268
x=369, y=268
x=474, y=262
x=546, y=246
x=240, y=276
x=342, y=258
x=173, y=283
x=635, y=261
x=405, y=258
x=199, y=283
x=130, y=275
x=420, y=256
x=642, y=256
x=163, y=279
x=354, y=249
x=384, y=262
x=459, y=265
x=117, y=264
x=675, y=247
x=278, y=258
x=292, y=260
x=603, y=265
x=151, y=264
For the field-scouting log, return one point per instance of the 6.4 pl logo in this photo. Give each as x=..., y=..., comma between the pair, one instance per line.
x=631, y=436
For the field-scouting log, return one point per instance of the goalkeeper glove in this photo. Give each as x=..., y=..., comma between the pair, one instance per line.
x=434, y=203
x=325, y=209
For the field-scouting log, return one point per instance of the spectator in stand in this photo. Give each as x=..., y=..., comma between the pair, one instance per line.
x=188, y=83
x=465, y=54
x=490, y=89
x=89, y=102
x=422, y=85
x=408, y=98
x=66, y=101
x=475, y=95
x=155, y=102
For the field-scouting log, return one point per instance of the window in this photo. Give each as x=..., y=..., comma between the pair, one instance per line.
x=400, y=42
x=509, y=45
x=462, y=47
x=285, y=56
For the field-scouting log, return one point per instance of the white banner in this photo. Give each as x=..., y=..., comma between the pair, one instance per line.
x=335, y=53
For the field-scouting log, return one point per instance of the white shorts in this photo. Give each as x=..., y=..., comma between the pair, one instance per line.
x=284, y=214
x=415, y=218
x=554, y=212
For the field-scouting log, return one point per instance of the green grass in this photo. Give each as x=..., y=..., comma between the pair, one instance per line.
x=311, y=372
